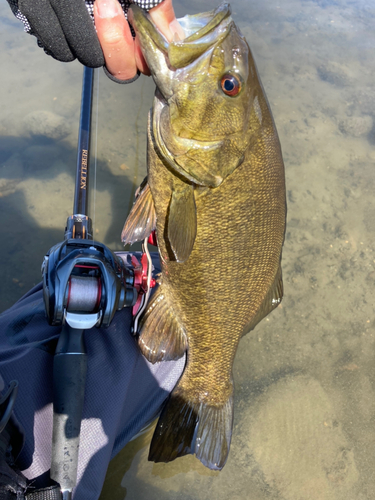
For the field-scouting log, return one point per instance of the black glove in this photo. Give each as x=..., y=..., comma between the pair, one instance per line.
x=64, y=28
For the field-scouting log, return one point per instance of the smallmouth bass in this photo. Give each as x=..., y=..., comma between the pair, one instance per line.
x=215, y=193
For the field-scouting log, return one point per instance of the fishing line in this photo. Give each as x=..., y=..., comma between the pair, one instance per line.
x=136, y=167
x=97, y=74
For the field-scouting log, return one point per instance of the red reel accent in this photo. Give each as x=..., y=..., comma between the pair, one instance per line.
x=140, y=279
x=152, y=239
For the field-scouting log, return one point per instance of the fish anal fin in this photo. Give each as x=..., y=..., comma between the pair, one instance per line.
x=160, y=336
x=141, y=220
x=182, y=222
x=185, y=427
x=271, y=301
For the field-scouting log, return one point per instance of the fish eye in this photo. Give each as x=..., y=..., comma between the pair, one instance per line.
x=230, y=85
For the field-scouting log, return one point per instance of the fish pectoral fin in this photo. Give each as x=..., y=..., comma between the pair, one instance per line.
x=185, y=427
x=160, y=336
x=182, y=222
x=271, y=301
x=141, y=220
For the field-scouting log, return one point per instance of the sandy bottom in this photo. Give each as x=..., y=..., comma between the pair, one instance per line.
x=305, y=402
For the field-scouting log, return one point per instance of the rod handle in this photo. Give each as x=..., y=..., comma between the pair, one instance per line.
x=69, y=378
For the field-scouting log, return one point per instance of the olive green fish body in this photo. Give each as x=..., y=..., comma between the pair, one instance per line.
x=216, y=185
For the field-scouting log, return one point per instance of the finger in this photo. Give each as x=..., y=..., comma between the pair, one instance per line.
x=115, y=39
x=46, y=26
x=79, y=31
x=165, y=19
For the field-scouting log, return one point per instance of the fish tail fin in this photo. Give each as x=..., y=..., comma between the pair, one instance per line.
x=185, y=427
x=160, y=335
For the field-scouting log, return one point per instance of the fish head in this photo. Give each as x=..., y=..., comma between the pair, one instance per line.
x=205, y=110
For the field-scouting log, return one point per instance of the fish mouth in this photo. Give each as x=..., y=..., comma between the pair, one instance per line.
x=169, y=62
x=164, y=58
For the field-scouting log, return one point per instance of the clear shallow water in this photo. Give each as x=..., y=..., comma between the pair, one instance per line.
x=40, y=103
x=305, y=401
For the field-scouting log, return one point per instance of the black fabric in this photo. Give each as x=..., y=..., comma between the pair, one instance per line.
x=123, y=394
x=51, y=493
x=11, y=490
x=65, y=30
x=13, y=484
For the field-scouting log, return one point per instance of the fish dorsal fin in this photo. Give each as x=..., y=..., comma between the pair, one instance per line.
x=271, y=301
x=160, y=337
x=142, y=218
x=182, y=221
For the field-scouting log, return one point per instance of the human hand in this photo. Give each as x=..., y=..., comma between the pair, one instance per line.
x=122, y=53
x=65, y=30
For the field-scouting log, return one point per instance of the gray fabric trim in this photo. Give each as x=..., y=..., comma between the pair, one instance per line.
x=14, y=7
x=125, y=4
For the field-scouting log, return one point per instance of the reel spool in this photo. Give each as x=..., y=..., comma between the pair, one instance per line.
x=84, y=283
x=83, y=294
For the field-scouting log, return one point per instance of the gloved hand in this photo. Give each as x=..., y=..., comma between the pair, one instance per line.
x=65, y=29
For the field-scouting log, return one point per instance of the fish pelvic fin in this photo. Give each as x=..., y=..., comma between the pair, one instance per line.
x=182, y=221
x=141, y=220
x=185, y=427
x=161, y=337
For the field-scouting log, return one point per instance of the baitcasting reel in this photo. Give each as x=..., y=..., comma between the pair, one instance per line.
x=85, y=283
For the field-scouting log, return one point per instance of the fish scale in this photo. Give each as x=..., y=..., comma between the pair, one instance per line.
x=220, y=212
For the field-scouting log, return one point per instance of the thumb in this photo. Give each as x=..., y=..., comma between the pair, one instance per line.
x=165, y=19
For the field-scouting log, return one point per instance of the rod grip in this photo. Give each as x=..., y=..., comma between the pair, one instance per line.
x=69, y=378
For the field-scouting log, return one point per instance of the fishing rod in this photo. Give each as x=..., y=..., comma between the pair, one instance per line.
x=84, y=284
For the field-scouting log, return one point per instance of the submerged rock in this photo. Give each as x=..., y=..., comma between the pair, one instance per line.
x=47, y=124
x=12, y=168
x=11, y=173
x=334, y=73
x=40, y=157
x=356, y=125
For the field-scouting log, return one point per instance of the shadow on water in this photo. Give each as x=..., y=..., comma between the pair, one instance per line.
x=36, y=193
x=24, y=243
